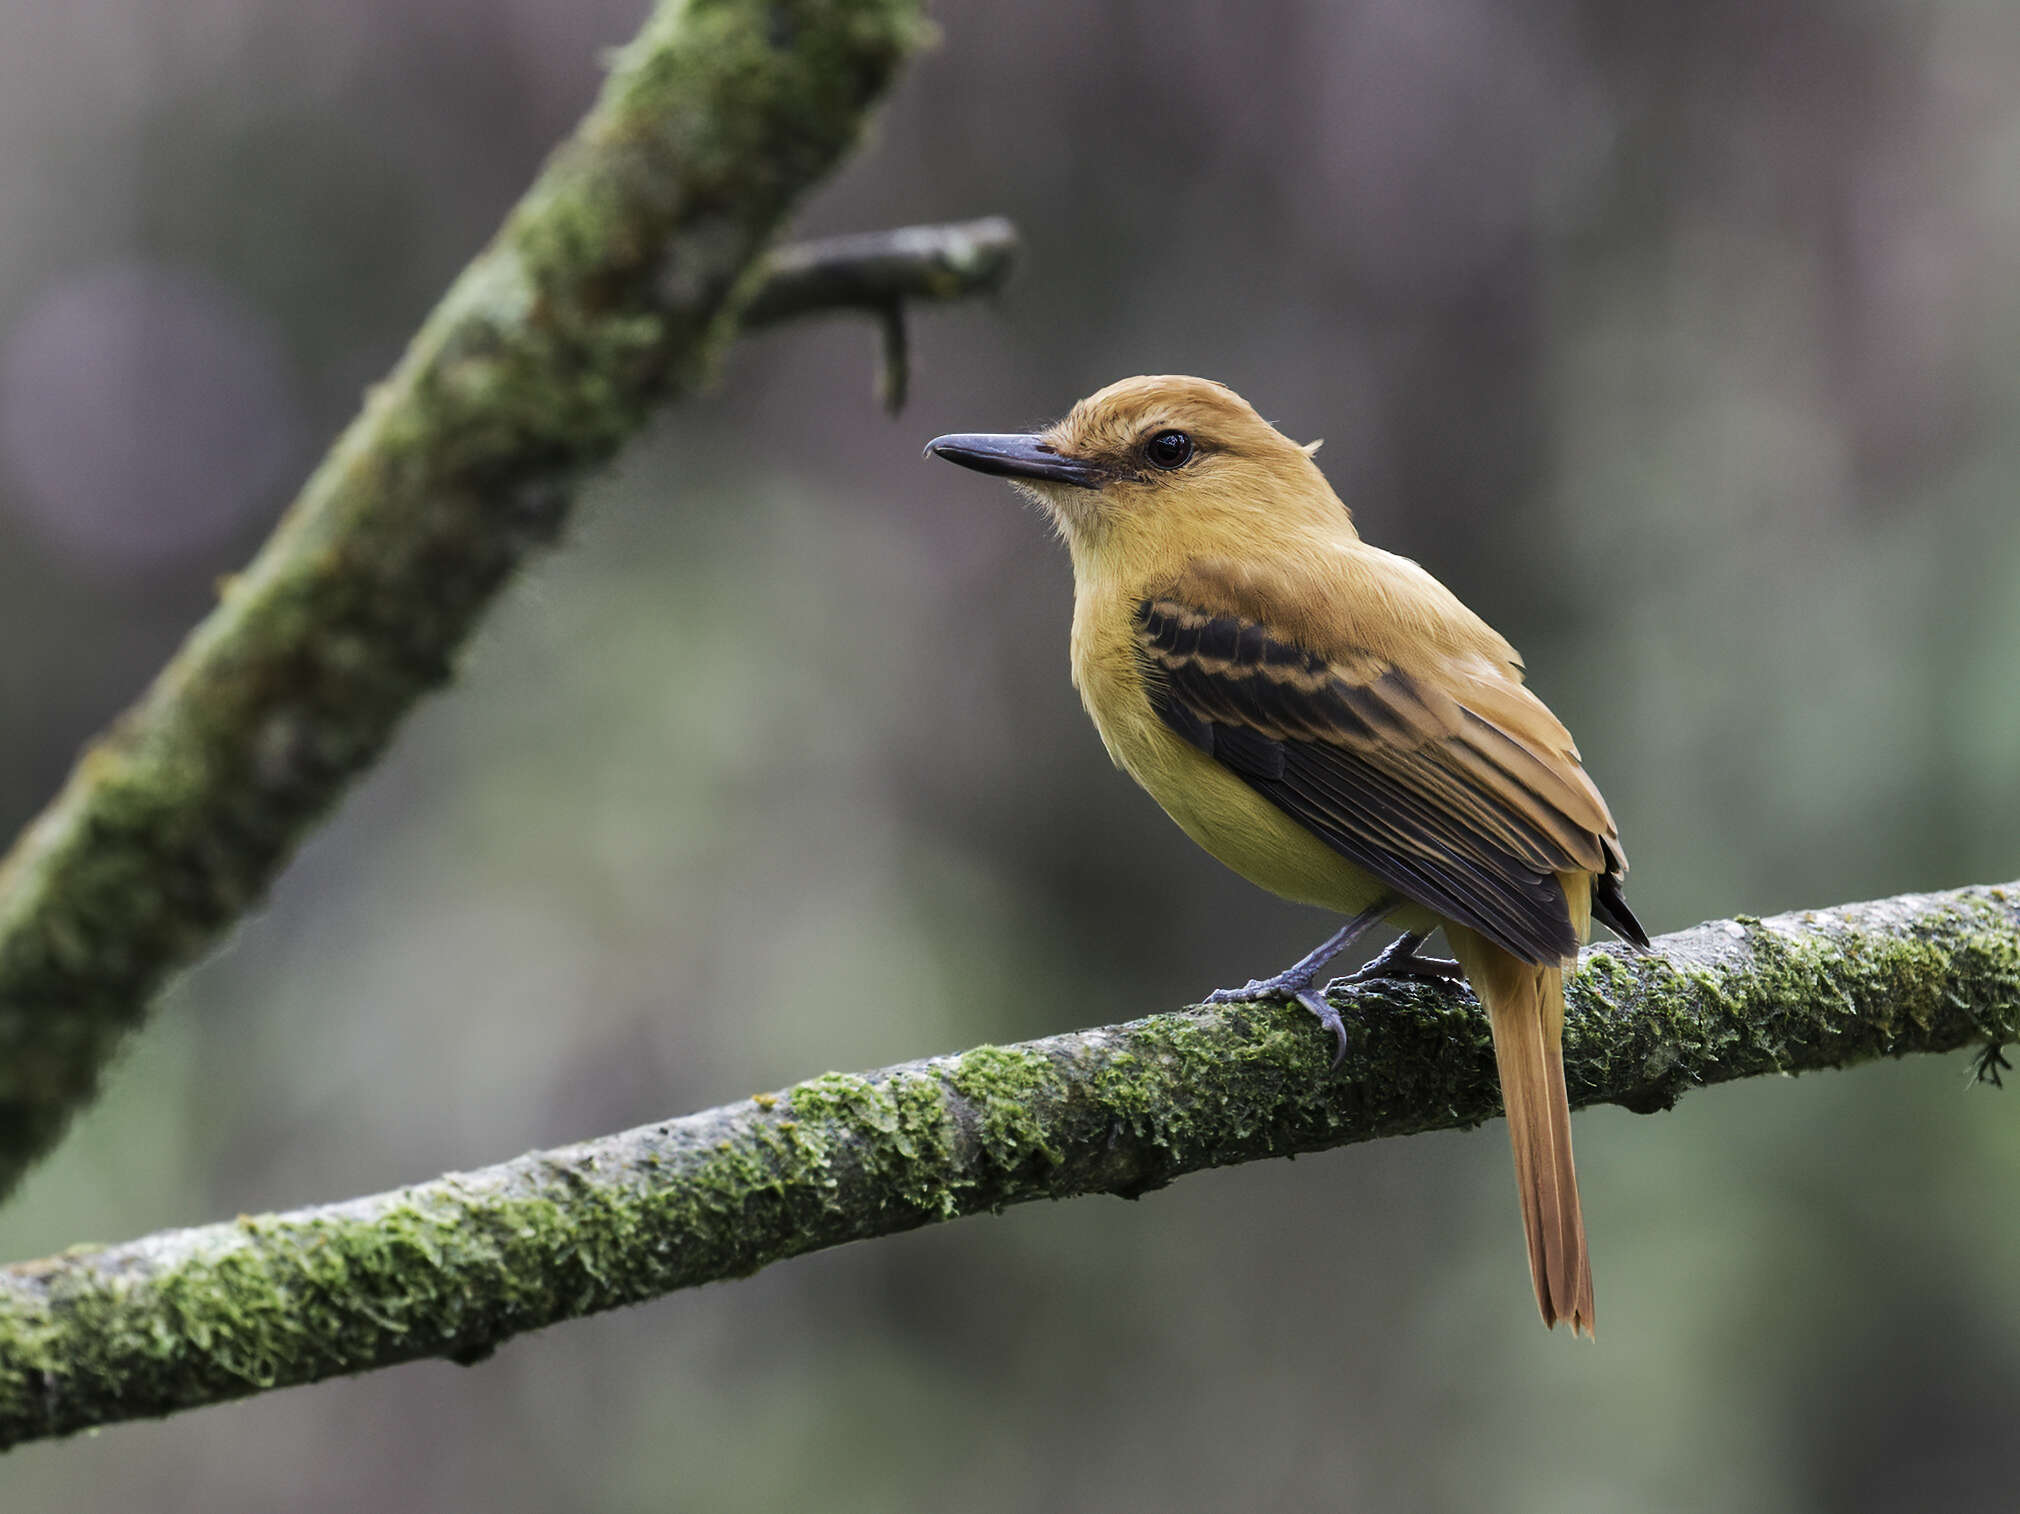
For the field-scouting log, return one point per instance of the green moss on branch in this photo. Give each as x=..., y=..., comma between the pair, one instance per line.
x=611, y=285
x=452, y=1267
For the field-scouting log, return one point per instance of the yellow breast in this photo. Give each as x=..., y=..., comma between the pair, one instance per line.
x=1213, y=806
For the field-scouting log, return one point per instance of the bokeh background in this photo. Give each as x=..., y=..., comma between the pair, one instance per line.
x=1684, y=342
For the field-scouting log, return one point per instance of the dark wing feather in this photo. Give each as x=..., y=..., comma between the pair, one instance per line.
x=1426, y=788
x=1610, y=905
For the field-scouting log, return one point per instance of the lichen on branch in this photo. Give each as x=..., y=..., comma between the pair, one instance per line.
x=455, y=1266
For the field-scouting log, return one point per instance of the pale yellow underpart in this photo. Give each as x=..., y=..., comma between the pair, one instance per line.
x=1234, y=824
x=1211, y=804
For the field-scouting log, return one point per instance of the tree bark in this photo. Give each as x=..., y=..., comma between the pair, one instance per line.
x=455, y=1266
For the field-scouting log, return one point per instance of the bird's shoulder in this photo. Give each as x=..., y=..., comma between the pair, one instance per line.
x=1343, y=600
x=1348, y=602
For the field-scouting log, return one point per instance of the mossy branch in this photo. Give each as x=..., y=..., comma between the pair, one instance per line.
x=453, y=1267
x=612, y=284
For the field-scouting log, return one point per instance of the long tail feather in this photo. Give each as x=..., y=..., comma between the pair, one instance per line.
x=1525, y=1005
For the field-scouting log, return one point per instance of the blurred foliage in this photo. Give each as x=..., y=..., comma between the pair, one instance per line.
x=1683, y=344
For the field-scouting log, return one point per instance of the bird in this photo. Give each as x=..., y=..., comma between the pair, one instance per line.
x=1331, y=722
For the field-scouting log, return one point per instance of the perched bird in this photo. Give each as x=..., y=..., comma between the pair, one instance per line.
x=1329, y=720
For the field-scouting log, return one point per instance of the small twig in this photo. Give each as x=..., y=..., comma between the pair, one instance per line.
x=877, y=274
x=894, y=360
x=453, y=1267
x=877, y=270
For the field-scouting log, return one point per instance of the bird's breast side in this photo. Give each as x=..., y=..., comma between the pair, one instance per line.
x=1213, y=806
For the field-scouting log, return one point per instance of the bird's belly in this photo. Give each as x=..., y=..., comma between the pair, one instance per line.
x=1232, y=821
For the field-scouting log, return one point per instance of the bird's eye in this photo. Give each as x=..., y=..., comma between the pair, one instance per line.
x=1169, y=449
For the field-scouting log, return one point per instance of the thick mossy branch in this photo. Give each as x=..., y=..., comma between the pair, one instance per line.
x=611, y=285
x=451, y=1268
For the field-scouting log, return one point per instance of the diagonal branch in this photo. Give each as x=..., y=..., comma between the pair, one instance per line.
x=611, y=285
x=455, y=1266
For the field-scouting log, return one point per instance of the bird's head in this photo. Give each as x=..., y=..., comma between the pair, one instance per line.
x=1157, y=458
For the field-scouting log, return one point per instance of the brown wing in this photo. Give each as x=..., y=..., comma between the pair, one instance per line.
x=1458, y=789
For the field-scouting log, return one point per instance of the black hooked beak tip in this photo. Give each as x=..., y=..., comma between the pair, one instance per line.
x=1015, y=455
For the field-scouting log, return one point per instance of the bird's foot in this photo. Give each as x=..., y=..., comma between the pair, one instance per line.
x=1399, y=962
x=1293, y=987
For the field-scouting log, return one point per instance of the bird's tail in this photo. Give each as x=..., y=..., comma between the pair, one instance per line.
x=1525, y=1005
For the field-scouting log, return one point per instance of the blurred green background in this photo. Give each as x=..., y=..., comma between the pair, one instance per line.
x=1684, y=343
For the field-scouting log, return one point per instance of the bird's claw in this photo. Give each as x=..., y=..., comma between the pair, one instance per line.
x=1316, y=1001
x=1399, y=962
x=1280, y=988
x=1248, y=993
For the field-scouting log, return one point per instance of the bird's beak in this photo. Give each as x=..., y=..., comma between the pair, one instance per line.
x=1016, y=456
